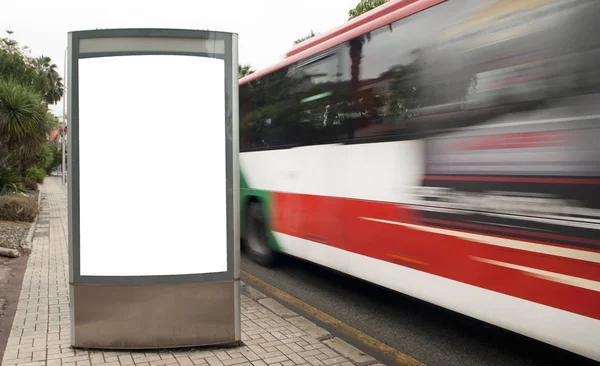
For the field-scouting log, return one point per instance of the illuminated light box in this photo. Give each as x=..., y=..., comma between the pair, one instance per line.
x=152, y=173
x=153, y=188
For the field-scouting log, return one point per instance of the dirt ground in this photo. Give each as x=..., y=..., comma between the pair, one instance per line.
x=11, y=279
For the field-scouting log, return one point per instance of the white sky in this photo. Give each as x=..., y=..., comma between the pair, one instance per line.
x=266, y=28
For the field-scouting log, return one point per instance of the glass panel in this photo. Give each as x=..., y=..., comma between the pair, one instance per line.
x=163, y=117
x=457, y=64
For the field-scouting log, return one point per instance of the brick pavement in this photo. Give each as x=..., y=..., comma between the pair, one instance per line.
x=40, y=335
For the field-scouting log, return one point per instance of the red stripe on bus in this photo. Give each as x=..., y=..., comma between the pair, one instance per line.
x=518, y=140
x=337, y=223
x=515, y=231
x=477, y=178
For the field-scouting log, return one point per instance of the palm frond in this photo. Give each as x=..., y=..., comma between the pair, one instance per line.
x=22, y=111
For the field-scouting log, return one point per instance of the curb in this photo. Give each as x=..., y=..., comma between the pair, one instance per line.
x=27, y=243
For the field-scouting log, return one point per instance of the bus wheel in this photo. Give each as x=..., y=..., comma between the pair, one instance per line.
x=257, y=240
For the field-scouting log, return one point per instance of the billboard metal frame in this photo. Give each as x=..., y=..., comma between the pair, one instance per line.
x=129, y=42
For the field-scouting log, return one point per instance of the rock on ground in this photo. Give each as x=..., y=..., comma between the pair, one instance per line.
x=12, y=233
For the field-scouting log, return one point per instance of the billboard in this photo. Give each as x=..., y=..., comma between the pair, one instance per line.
x=153, y=203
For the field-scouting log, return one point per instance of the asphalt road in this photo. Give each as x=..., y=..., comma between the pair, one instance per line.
x=432, y=335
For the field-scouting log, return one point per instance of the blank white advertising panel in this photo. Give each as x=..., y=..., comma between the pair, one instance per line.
x=152, y=166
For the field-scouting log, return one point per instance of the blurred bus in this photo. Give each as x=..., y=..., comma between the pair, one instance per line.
x=447, y=150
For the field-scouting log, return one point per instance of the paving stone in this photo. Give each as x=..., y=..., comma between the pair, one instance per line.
x=348, y=351
x=309, y=327
x=277, y=308
x=252, y=293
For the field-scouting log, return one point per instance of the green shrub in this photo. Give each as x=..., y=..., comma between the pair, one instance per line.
x=30, y=184
x=36, y=174
x=49, y=157
x=45, y=157
x=17, y=208
x=57, y=159
x=9, y=180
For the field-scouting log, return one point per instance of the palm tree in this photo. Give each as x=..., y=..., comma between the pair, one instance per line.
x=8, y=42
x=356, y=44
x=56, y=90
x=356, y=55
x=24, y=122
x=244, y=70
x=310, y=35
x=54, y=87
x=364, y=6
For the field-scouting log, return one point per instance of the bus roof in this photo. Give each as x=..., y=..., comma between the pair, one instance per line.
x=376, y=18
x=365, y=18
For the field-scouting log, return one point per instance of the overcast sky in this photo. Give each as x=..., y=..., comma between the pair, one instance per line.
x=266, y=28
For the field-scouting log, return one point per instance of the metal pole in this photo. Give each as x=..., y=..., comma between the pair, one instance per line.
x=63, y=152
x=62, y=132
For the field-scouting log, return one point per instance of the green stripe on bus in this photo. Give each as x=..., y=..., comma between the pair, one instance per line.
x=262, y=196
x=315, y=97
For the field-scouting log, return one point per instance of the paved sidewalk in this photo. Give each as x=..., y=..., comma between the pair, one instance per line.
x=40, y=335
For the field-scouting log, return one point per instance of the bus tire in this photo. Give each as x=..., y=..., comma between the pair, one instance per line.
x=257, y=240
